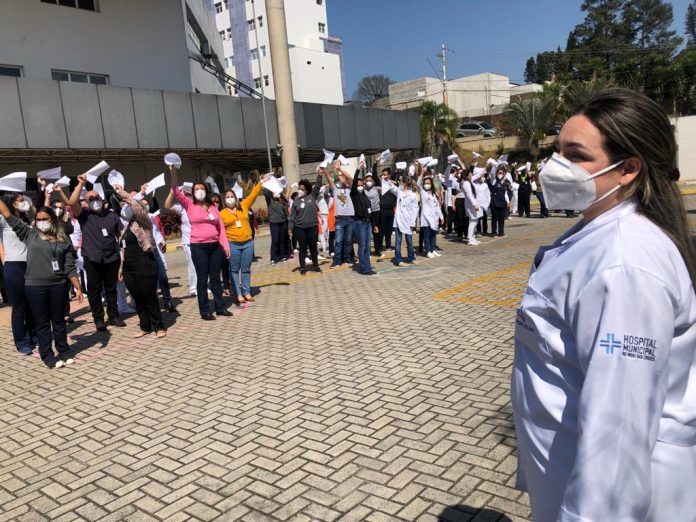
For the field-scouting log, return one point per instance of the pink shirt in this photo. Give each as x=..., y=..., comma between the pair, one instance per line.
x=206, y=225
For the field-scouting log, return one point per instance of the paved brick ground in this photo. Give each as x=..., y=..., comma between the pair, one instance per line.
x=335, y=396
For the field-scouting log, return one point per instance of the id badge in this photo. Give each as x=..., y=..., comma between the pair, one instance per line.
x=210, y=216
x=302, y=205
x=55, y=266
x=238, y=224
x=369, y=210
x=105, y=233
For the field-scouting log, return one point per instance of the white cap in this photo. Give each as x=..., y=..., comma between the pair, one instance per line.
x=453, y=157
x=172, y=158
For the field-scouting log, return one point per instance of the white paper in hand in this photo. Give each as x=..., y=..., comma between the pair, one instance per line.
x=63, y=182
x=412, y=170
x=172, y=158
x=155, y=183
x=273, y=185
x=342, y=159
x=94, y=172
x=328, y=155
x=116, y=178
x=362, y=159
x=401, y=165
x=15, y=182
x=386, y=187
x=99, y=190
x=49, y=174
x=384, y=157
x=213, y=186
x=476, y=155
x=238, y=191
x=425, y=161
x=49, y=188
x=433, y=162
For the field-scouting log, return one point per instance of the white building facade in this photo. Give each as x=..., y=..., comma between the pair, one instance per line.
x=316, y=60
x=471, y=96
x=126, y=43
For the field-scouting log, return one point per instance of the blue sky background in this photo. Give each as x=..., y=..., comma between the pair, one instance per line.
x=395, y=37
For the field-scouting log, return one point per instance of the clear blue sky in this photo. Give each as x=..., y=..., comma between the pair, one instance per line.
x=395, y=37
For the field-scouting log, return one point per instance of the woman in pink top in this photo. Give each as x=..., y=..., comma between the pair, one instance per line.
x=209, y=245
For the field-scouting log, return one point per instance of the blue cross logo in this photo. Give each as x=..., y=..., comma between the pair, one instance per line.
x=610, y=344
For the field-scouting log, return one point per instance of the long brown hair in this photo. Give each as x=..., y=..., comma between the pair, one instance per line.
x=632, y=124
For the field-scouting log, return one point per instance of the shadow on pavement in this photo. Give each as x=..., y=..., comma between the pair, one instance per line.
x=463, y=513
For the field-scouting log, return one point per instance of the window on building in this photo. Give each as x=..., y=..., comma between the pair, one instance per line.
x=320, y=2
x=322, y=28
x=229, y=90
x=218, y=7
x=80, y=77
x=260, y=18
x=228, y=33
x=257, y=83
x=263, y=50
x=227, y=63
x=265, y=80
x=222, y=35
x=231, y=61
x=90, y=5
x=251, y=25
x=254, y=54
x=10, y=70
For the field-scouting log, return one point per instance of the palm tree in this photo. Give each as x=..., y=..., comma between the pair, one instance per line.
x=530, y=119
x=438, y=126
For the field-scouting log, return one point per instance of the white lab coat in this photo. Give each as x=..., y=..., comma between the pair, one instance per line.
x=604, y=378
x=483, y=195
x=406, y=209
x=471, y=201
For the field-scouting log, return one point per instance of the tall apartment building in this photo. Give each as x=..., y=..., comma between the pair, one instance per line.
x=127, y=43
x=316, y=60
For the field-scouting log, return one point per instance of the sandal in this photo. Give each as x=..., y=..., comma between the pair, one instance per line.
x=241, y=300
x=249, y=299
x=161, y=333
x=140, y=334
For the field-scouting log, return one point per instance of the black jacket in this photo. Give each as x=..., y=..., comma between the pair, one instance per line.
x=386, y=201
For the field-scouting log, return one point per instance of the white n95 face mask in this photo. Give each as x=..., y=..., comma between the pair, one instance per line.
x=568, y=186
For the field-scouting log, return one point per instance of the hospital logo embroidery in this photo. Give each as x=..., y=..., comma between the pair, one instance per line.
x=610, y=344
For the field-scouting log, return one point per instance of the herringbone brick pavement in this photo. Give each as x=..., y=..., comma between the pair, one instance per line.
x=333, y=397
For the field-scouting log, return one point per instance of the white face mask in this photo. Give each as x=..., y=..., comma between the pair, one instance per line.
x=360, y=189
x=23, y=206
x=231, y=202
x=43, y=226
x=427, y=186
x=568, y=186
x=199, y=195
x=276, y=195
x=301, y=193
x=58, y=211
x=96, y=205
x=369, y=184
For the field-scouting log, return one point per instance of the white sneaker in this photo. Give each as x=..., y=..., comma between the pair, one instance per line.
x=320, y=257
x=437, y=254
x=296, y=250
x=68, y=361
x=431, y=255
x=59, y=364
x=382, y=255
x=474, y=242
x=307, y=260
x=331, y=254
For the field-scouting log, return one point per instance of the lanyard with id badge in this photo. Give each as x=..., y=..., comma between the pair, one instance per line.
x=55, y=265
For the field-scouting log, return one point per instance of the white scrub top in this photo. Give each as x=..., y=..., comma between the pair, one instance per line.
x=471, y=201
x=604, y=378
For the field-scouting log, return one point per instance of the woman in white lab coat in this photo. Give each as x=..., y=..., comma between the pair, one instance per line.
x=604, y=379
x=473, y=209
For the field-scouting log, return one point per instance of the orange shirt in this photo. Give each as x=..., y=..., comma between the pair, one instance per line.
x=237, y=227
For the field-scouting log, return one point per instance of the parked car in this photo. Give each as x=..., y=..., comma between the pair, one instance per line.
x=553, y=131
x=476, y=128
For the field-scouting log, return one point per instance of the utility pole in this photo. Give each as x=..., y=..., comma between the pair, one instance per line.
x=442, y=55
x=285, y=108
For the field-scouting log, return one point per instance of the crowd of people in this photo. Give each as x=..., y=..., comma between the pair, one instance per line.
x=111, y=248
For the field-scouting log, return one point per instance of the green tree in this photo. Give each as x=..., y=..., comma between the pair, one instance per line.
x=690, y=24
x=530, y=119
x=530, y=74
x=438, y=127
